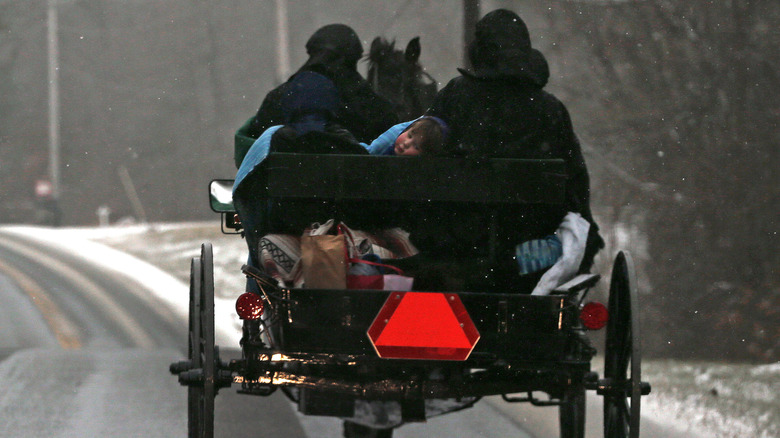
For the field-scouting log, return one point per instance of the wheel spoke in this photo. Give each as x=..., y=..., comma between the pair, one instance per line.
x=571, y=413
x=623, y=407
x=625, y=356
x=615, y=422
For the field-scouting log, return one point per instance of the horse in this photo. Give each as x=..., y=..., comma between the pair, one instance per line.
x=398, y=76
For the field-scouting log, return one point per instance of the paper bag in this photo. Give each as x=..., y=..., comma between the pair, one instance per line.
x=323, y=262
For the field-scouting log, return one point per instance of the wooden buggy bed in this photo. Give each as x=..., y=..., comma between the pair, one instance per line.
x=326, y=345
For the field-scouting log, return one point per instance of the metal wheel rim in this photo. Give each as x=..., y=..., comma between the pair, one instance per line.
x=621, y=418
x=194, y=392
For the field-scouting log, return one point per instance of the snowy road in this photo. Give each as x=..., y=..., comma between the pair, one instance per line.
x=74, y=341
x=87, y=340
x=68, y=370
x=85, y=352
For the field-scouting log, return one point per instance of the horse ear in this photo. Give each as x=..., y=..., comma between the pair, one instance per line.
x=413, y=50
x=377, y=48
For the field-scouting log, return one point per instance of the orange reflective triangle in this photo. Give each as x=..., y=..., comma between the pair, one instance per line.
x=423, y=325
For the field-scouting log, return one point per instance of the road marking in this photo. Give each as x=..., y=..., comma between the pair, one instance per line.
x=93, y=292
x=64, y=330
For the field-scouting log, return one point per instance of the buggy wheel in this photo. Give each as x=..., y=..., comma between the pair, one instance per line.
x=202, y=350
x=622, y=354
x=571, y=412
x=194, y=392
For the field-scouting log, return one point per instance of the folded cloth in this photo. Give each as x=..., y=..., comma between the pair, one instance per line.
x=535, y=255
x=365, y=268
x=280, y=256
x=573, y=234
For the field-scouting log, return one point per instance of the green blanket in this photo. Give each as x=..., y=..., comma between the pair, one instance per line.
x=244, y=140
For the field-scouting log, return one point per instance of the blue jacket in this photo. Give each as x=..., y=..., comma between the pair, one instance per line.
x=384, y=144
x=256, y=154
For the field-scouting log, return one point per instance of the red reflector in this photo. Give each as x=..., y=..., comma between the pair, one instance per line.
x=249, y=306
x=423, y=325
x=594, y=315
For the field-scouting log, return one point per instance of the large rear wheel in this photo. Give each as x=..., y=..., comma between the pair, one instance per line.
x=622, y=357
x=202, y=350
x=194, y=392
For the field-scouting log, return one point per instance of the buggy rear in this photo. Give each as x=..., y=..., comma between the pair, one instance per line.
x=417, y=352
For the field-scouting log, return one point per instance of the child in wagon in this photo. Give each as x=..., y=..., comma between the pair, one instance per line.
x=552, y=258
x=424, y=135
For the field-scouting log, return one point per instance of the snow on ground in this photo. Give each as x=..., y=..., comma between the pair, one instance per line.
x=729, y=400
x=704, y=399
x=171, y=288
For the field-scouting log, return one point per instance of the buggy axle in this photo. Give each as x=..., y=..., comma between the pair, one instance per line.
x=394, y=389
x=196, y=377
x=612, y=387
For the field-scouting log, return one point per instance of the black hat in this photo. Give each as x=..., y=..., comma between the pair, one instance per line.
x=309, y=94
x=338, y=39
x=501, y=47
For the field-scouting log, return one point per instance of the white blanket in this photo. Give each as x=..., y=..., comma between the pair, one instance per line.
x=573, y=234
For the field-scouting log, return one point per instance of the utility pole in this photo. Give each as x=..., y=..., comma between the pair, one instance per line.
x=282, y=43
x=54, y=100
x=54, y=111
x=470, y=18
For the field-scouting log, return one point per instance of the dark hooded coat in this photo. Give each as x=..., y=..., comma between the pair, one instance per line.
x=499, y=109
x=334, y=51
x=308, y=106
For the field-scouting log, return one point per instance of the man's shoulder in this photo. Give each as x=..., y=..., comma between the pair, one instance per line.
x=458, y=82
x=273, y=99
x=552, y=103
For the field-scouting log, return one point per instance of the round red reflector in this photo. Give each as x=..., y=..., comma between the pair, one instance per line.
x=249, y=306
x=594, y=315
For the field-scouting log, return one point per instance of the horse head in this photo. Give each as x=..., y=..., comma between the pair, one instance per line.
x=398, y=76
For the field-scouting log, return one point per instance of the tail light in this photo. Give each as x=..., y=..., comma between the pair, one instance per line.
x=249, y=306
x=594, y=315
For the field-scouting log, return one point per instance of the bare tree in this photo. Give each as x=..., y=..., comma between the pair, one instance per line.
x=688, y=110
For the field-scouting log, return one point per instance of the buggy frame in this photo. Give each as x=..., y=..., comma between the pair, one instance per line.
x=326, y=361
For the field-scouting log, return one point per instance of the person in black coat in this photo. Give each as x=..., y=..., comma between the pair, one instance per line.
x=499, y=109
x=334, y=51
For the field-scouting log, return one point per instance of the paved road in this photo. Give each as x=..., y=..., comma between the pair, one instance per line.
x=85, y=348
x=85, y=351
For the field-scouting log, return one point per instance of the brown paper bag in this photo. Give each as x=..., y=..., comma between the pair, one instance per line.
x=323, y=259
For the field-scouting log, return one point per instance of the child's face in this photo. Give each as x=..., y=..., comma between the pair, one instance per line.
x=408, y=143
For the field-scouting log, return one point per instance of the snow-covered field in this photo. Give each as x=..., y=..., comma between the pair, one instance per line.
x=725, y=400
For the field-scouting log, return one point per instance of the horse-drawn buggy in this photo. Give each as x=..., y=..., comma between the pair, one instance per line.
x=413, y=353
